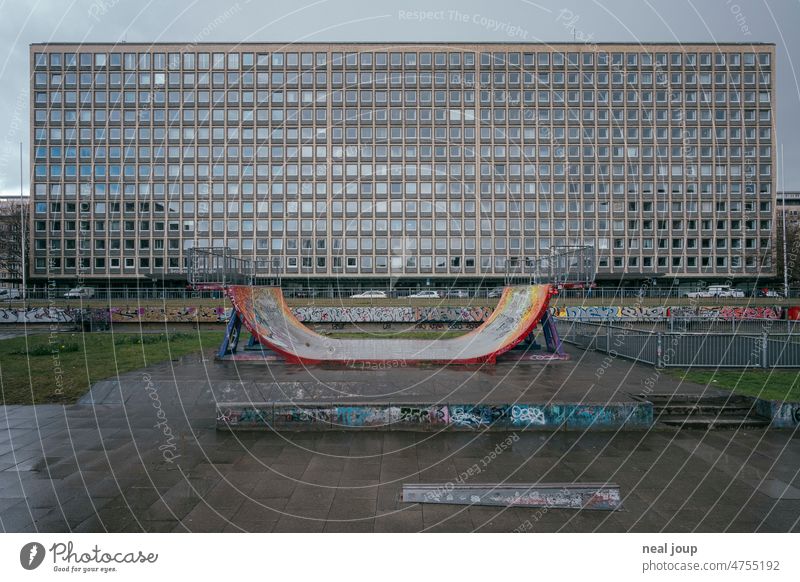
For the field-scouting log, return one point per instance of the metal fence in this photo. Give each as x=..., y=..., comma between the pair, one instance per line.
x=694, y=324
x=686, y=349
x=42, y=293
x=305, y=289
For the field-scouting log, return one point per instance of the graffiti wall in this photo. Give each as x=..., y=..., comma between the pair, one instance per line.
x=589, y=312
x=170, y=314
x=435, y=318
x=728, y=313
x=596, y=497
x=36, y=315
x=435, y=417
x=639, y=313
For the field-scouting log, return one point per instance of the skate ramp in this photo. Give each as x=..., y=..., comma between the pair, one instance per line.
x=265, y=314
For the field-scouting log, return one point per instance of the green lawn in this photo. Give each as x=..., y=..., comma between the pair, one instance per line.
x=36, y=370
x=766, y=384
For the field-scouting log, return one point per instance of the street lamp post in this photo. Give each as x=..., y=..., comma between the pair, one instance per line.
x=22, y=266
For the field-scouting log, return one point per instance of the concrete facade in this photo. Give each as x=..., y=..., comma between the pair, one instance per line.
x=421, y=161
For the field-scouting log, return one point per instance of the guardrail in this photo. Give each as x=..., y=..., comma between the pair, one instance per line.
x=685, y=349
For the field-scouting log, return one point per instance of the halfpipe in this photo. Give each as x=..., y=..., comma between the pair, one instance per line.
x=265, y=314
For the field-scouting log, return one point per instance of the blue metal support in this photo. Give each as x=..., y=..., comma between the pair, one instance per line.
x=554, y=344
x=231, y=340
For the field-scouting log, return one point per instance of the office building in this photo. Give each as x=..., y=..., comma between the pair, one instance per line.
x=417, y=162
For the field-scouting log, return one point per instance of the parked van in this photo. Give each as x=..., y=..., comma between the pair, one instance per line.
x=717, y=291
x=79, y=293
x=9, y=294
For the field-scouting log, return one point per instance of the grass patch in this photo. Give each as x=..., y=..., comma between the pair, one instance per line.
x=149, y=338
x=766, y=384
x=67, y=373
x=47, y=349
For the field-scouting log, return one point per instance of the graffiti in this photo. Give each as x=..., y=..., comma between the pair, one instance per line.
x=782, y=414
x=441, y=326
x=227, y=416
x=633, y=312
x=639, y=313
x=171, y=314
x=751, y=313
x=573, y=496
x=36, y=315
x=527, y=415
x=363, y=416
x=391, y=314
x=476, y=416
x=254, y=416
x=303, y=415
x=728, y=313
x=440, y=416
x=461, y=417
x=428, y=415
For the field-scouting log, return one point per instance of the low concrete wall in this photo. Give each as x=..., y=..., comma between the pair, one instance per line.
x=433, y=417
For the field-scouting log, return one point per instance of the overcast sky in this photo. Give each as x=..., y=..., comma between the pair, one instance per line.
x=27, y=21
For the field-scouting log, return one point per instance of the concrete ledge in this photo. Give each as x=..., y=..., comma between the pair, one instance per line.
x=315, y=416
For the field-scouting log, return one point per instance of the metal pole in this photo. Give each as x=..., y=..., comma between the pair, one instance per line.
x=659, y=352
x=23, y=265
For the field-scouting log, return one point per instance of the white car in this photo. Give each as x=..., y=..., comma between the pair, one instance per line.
x=369, y=295
x=716, y=291
x=9, y=294
x=424, y=295
x=79, y=293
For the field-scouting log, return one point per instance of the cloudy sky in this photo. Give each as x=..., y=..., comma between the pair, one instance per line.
x=27, y=21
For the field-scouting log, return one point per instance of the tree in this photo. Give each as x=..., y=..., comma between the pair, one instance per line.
x=792, y=251
x=13, y=211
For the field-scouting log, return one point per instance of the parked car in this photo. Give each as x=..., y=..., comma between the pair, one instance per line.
x=424, y=295
x=79, y=293
x=9, y=294
x=716, y=291
x=458, y=293
x=370, y=295
x=495, y=293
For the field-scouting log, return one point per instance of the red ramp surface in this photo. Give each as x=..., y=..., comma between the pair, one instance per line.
x=265, y=313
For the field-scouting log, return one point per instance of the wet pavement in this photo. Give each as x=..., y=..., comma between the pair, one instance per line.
x=141, y=453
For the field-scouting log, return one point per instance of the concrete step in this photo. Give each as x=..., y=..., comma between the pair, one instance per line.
x=711, y=422
x=686, y=399
x=703, y=410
